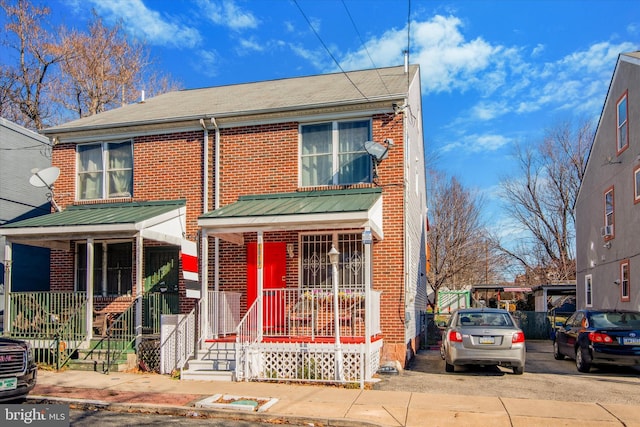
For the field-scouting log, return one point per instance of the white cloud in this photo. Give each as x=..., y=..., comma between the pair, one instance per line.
x=477, y=143
x=148, y=24
x=537, y=50
x=208, y=63
x=228, y=14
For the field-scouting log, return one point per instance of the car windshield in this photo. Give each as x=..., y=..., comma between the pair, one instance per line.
x=616, y=320
x=484, y=319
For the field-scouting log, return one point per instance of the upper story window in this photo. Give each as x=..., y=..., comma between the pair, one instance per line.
x=588, y=290
x=623, y=124
x=624, y=281
x=105, y=170
x=333, y=153
x=609, y=218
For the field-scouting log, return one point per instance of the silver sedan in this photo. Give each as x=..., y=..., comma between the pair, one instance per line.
x=483, y=336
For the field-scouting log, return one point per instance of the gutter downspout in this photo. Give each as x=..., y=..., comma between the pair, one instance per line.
x=216, y=202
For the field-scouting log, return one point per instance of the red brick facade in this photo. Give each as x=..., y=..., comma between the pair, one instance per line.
x=253, y=160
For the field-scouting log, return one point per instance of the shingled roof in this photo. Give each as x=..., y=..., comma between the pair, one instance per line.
x=290, y=94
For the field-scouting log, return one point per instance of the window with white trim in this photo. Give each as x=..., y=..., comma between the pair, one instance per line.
x=316, y=270
x=333, y=153
x=105, y=170
x=624, y=281
x=588, y=290
x=623, y=124
x=112, y=268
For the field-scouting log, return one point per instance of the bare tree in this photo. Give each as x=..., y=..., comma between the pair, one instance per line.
x=25, y=85
x=542, y=201
x=82, y=73
x=461, y=253
x=102, y=69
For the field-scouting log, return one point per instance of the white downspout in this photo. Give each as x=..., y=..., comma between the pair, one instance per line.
x=204, y=247
x=216, y=202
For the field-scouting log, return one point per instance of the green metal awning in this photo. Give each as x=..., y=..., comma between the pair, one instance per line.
x=157, y=220
x=305, y=210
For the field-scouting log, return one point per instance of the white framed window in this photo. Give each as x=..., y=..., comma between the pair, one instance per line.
x=609, y=214
x=588, y=290
x=112, y=268
x=316, y=270
x=622, y=136
x=105, y=170
x=333, y=153
x=625, y=294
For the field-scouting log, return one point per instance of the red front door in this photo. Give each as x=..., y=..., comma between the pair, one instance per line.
x=274, y=273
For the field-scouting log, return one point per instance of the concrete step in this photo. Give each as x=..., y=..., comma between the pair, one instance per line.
x=212, y=364
x=207, y=375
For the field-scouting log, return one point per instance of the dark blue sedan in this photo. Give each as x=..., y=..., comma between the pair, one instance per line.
x=599, y=337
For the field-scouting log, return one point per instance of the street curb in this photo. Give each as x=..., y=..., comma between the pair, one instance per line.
x=193, y=412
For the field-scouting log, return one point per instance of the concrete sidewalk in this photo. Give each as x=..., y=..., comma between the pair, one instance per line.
x=315, y=405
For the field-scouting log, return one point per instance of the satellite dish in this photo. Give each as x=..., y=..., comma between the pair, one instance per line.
x=45, y=177
x=377, y=150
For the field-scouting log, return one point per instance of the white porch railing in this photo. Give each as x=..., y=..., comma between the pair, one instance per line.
x=223, y=313
x=177, y=341
x=309, y=316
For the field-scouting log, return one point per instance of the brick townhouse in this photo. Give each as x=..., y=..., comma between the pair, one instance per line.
x=305, y=198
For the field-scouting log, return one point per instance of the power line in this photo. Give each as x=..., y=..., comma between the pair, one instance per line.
x=365, y=46
x=328, y=51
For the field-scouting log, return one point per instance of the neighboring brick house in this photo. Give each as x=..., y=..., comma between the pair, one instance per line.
x=267, y=177
x=608, y=203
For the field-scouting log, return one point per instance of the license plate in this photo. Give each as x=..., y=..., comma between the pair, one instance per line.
x=631, y=341
x=486, y=340
x=8, y=383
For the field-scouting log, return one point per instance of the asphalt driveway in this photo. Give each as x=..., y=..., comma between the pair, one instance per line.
x=544, y=378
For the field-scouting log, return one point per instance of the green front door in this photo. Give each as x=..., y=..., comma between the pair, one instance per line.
x=161, y=275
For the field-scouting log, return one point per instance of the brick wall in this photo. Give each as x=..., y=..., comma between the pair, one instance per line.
x=166, y=167
x=264, y=159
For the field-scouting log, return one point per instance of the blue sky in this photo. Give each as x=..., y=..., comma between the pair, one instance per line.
x=494, y=73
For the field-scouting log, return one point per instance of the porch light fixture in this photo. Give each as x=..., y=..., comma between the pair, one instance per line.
x=334, y=256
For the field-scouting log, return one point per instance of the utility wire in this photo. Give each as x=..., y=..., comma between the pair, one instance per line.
x=328, y=51
x=365, y=46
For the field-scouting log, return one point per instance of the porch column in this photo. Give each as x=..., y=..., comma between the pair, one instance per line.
x=204, y=286
x=7, y=286
x=367, y=304
x=89, y=280
x=260, y=278
x=139, y=287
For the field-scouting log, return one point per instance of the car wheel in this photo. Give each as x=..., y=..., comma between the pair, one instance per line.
x=582, y=360
x=518, y=370
x=556, y=351
x=449, y=367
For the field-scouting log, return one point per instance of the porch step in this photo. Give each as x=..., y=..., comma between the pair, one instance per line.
x=217, y=362
x=96, y=360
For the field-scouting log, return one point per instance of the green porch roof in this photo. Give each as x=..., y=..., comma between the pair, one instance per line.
x=163, y=221
x=99, y=214
x=307, y=202
x=304, y=210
